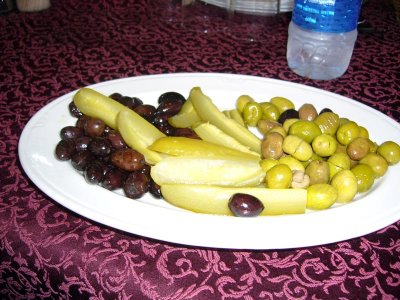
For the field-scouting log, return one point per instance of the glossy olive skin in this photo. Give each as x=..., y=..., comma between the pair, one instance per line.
x=252, y=113
x=264, y=125
x=290, y=113
x=324, y=145
x=70, y=132
x=80, y=160
x=297, y=147
x=269, y=111
x=365, y=177
x=65, y=149
x=321, y=196
x=346, y=184
x=390, y=151
x=347, y=132
x=128, y=159
x=271, y=146
x=318, y=171
x=94, y=173
x=113, y=179
x=74, y=110
x=305, y=129
x=282, y=103
x=242, y=101
x=136, y=185
x=94, y=127
x=378, y=164
x=307, y=112
x=244, y=205
x=328, y=122
x=358, y=148
x=279, y=177
x=171, y=97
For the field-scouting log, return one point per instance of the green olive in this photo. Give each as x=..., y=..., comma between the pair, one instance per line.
x=345, y=183
x=307, y=130
x=365, y=177
x=282, y=103
x=343, y=121
x=278, y=129
x=279, y=177
x=390, y=151
x=341, y=148
x=378, y=164
x=324, y=145
x=363, y=132
x=358, y=148
x=318, y=171
x=271, y=146
x=268, y=163
x=297, y=147
x=288, y=123
x=373, y=146
x=242, y=101
x=347, y=132
x=265, y=125
x=293, y=163
x=307, y=112
x=313, y=157
x=328, y=122
x=252, y=113
x=338, y=162
x=269, y=111
x=321, y=196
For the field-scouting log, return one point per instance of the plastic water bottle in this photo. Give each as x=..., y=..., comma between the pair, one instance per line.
x=321, y=38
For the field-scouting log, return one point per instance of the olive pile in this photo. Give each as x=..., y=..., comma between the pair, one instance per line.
x=101, y=155
x=332, y=157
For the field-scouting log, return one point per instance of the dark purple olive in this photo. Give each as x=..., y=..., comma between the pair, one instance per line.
x=186, y=132
x=128, y=159
x=130, y=102
x=160, y=120
x=136, y=185
x=116, y=140
x=154, y=189
x=100, y=146
x=171, y=96
x=166, y=128
x=70, y=132
x=146, y=111
x=288, y=114
x=146, y=170
x=116, y=96
x=94, y=127
x=65, y=149
x=81, y=121
x=80, y=160
x=113, y=179
x=324, y=110
x=94, y=173
x=74, y=110
x=245, y=205
x=82, y=143
x=169, y=107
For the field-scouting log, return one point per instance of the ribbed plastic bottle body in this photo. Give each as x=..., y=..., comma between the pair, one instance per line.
x=319, y=55
x=321, y=37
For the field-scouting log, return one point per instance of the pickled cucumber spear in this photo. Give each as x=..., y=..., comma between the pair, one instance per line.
x=214, y=200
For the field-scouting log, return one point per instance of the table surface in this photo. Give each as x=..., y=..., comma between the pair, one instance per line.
x=49, y=252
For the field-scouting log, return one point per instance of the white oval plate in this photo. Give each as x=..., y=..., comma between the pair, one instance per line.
x=159, y=220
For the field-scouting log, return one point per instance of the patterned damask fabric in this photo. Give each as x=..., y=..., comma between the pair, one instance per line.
x=48, y=252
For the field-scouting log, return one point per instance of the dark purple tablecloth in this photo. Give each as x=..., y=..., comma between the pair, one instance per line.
x=47, y=252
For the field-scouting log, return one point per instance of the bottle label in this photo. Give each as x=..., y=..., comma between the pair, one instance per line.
x=327, y=15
